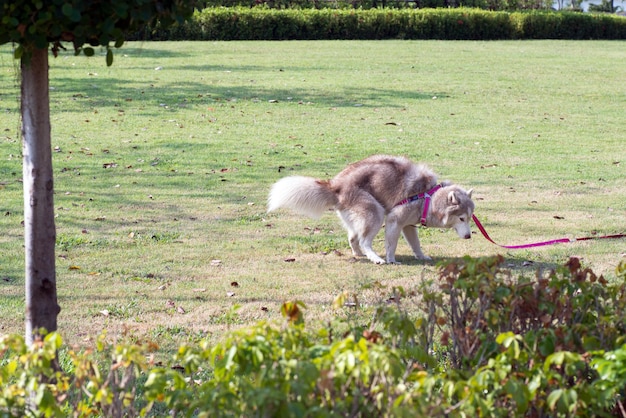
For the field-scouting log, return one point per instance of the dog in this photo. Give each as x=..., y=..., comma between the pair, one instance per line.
x=379, y=189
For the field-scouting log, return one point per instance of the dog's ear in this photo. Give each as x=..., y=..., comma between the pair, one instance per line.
x=452, y=198
x=469, y=193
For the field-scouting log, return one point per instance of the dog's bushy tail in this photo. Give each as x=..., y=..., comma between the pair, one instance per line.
x=304, y=195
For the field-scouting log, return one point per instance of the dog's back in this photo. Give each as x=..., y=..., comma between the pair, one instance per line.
x=388, y=179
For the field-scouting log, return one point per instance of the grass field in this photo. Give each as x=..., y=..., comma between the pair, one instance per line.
x=163, y=162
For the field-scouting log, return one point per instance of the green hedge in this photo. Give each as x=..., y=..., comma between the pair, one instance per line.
x=227, y=24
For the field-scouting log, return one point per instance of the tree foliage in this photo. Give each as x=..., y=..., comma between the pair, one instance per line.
x=35, y=24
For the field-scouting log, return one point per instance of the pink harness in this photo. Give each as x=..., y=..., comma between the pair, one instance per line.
x=426, y=196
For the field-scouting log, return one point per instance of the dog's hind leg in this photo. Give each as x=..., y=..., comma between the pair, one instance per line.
x=362, y=229
x=353, y=236
x=354, y=243
x=392, y=234
x=410, y=234
x=367, y=229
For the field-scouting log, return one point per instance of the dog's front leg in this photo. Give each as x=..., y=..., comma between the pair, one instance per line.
x=410, y=234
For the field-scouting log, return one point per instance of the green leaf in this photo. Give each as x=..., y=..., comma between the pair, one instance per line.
x=553, y=398
x=67, y=9
x=109, y=57
x=591, y=343
x=505, y=337
x=546, y=345
x=88, y=51
x=19, y=51
x=554, y=359
x=70, y=12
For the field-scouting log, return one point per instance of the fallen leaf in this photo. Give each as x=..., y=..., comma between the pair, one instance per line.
x=230, y=294
x=558, y=217
x=180, y=310
x=162, y=287
x=264, y=309
x=74, y=268
x=234, y=284
x=104, y=312
x=216, y=262
x=289, y=260
x=199, y=290
x=170, y=303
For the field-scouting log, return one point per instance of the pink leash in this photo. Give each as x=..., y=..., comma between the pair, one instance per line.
x=541, y=244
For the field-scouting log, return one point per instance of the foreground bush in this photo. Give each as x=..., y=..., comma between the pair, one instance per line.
x=485, y=344
x=239, y=23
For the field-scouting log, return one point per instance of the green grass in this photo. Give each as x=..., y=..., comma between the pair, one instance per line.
x=164, y=160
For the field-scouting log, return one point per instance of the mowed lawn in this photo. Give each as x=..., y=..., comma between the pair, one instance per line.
x=163, y=163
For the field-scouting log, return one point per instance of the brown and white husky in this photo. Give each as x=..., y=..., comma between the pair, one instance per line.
x=380, y=189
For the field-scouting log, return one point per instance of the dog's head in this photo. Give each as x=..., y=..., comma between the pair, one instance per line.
x=453, y=207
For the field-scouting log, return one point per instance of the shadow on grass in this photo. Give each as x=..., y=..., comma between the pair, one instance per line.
x=110, y=92
x=512, y=263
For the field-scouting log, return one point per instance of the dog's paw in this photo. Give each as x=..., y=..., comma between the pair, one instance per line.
x=374, y=258
x=423, y=257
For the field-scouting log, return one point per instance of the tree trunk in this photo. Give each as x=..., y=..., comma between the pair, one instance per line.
x=39, y=229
